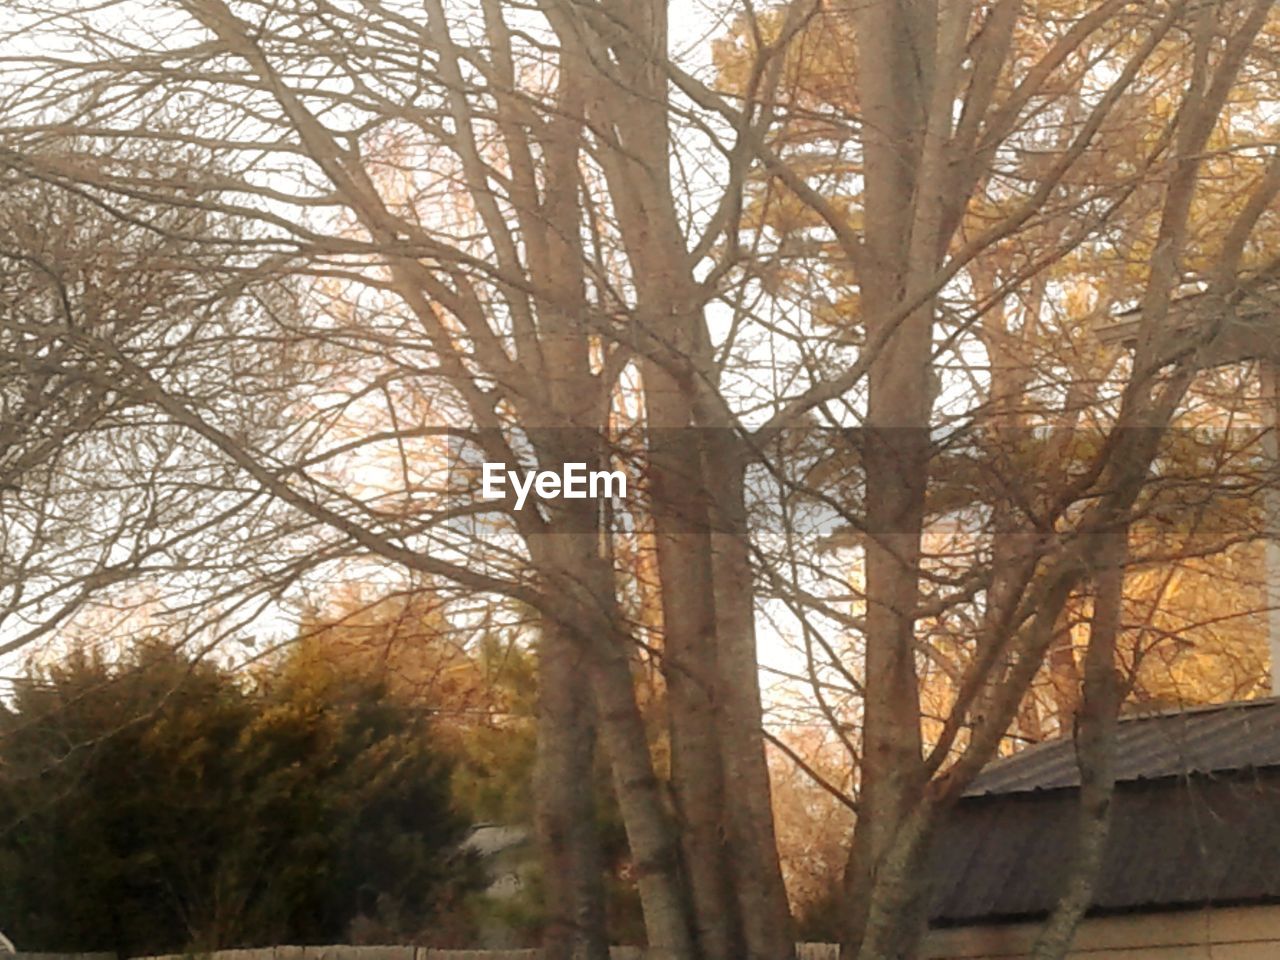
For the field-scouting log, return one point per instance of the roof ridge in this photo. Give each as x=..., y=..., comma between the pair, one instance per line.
x=1194, y=708
x=1168, y=742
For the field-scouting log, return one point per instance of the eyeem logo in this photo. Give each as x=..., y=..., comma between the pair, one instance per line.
x=573, y=482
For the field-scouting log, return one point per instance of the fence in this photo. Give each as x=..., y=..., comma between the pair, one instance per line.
x=804, y=951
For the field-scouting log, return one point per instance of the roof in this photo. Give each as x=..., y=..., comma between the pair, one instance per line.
x=1248, y=321
x=1195, y=821
x=491, y=839
x=1232, y=736
x=1173, y=844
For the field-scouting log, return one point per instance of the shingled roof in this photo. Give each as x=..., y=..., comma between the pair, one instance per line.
x=1195, y=821
x=1232, y=736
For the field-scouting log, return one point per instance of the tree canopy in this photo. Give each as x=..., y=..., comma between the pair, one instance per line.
x=829, y=287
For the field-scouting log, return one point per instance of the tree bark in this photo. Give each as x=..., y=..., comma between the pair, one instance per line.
x=762, y=895
x=894, y=47
x=1095, y=750
x=690, y=662
x=576, y=570
x=707, y=575
x=564, y=799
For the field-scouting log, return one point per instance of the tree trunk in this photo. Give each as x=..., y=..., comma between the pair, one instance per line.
x=762, y=894
x=585, y=579
x=565, y=821
x=892, y=45
x=690, y=663
x=1095, y=750
x=733, y=806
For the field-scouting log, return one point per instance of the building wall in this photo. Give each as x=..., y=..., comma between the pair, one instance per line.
x=1238, y=933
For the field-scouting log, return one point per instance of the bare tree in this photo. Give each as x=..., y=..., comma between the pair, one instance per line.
x=554, y=260
x=485, y=212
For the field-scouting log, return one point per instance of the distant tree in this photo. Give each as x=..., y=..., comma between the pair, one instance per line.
x=154, y=804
